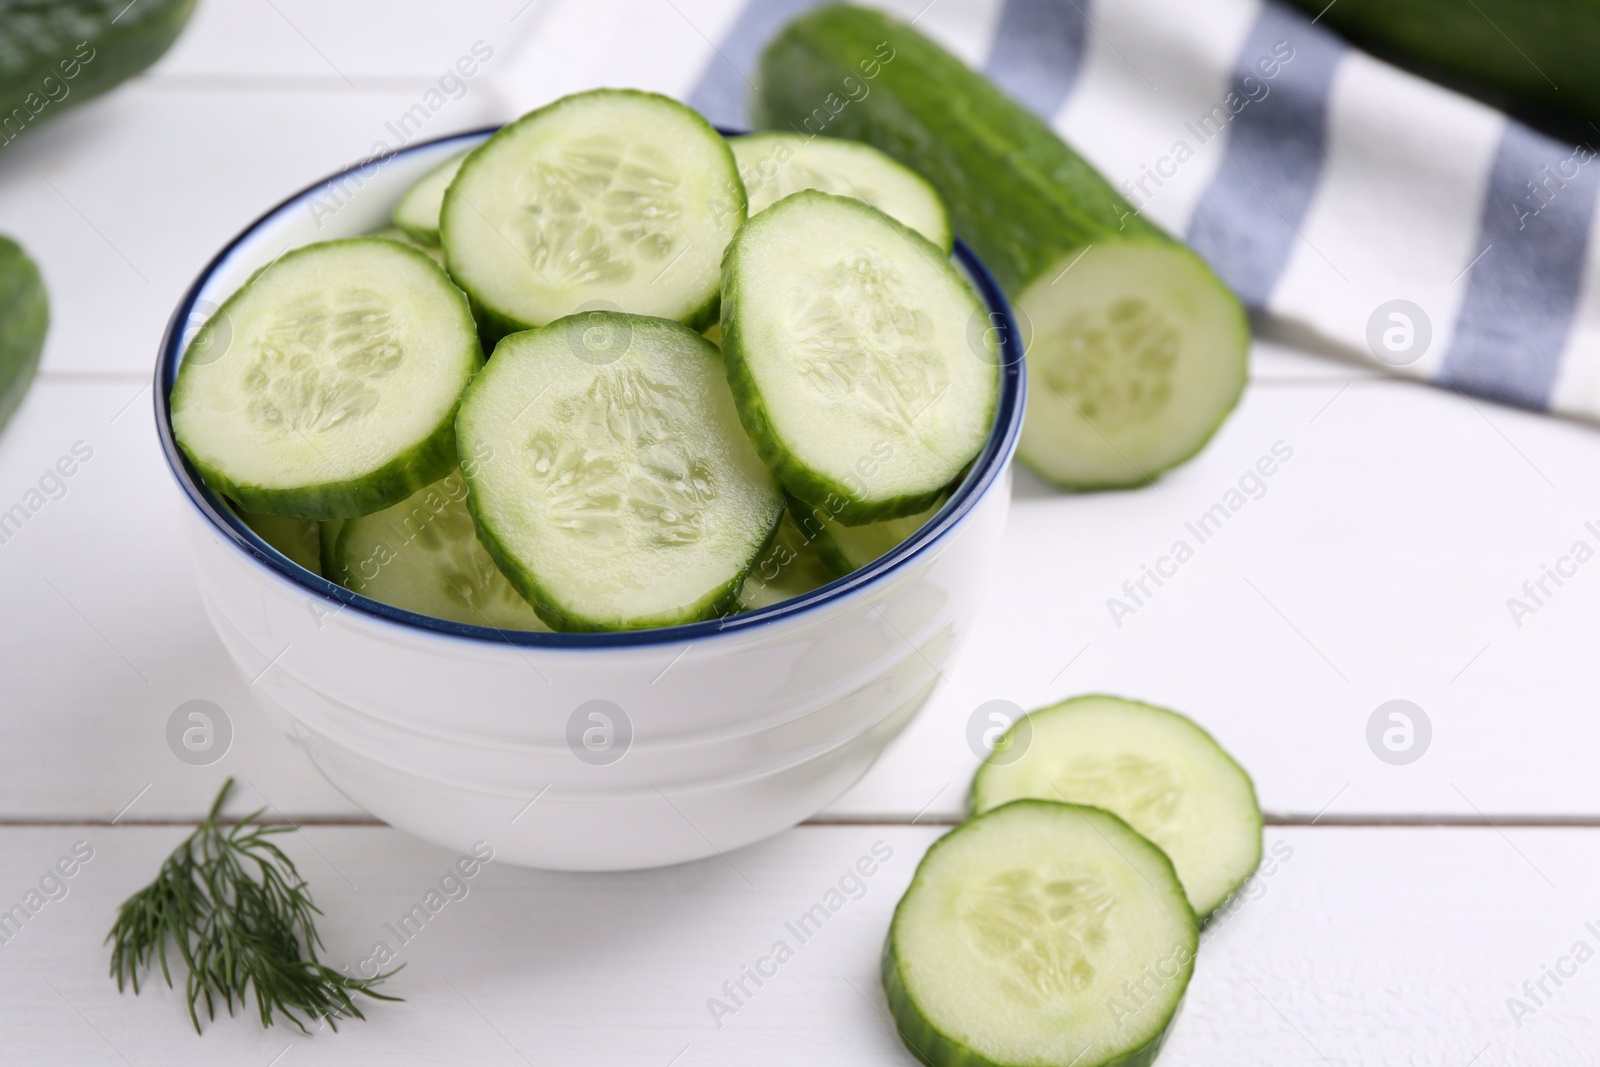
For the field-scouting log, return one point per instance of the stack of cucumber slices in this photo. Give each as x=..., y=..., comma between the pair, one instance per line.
x=718, y=375
x=1059, y=926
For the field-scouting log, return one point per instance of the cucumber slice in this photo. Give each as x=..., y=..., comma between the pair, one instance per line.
x=417, y=213
x=423, y=555
x=773, y=165
x=1155, y=768
x=849, y=548
x=327, y=386
x=790, y=567
x=611, y=198
x=1136, y=351
x=327, y=540
x=618, y=490
x=394, y=233
x=849, y=345
x=1131, y=367
x=1040, y=934
x=299, y=539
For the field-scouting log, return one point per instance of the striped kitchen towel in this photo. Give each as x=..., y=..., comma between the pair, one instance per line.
x=1360, y=208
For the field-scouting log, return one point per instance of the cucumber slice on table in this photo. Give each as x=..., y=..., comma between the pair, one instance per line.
x=417, y=213
x=423, y=555
x=327, y=386
x=849, y=345
x=773, y=165
x=1136, y=351
x=618, y=490
x=849, y=548
x=1040, y=934
x=298, y=539
x=788, y=568
x=1155, y=768
x=24, y=321
x=610, y=198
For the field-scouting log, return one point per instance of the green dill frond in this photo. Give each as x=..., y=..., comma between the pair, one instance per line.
x=236, y=912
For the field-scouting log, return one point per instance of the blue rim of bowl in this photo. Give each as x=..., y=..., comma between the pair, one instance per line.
x=984, y=473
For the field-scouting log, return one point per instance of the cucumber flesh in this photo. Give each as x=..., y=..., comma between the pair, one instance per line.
x=844, y=549
x=849, y=345
x=394, y=233
x=1133, y=363
x=423, y=555
x=327, y=386
x=790, y=567
x=610, y=198
x=619, y=491
x=417, y=213
x=1160, y=378
x=1040, y=934
x=773, y=165
x=298, y=539
x=1154, y=768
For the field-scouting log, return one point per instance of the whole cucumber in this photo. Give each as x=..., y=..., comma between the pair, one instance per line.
x=1537, y=53
x=24, y=319
x=1136, y=351
x=56, y=53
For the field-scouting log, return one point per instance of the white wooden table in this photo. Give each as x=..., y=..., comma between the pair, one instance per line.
x=1376, y=566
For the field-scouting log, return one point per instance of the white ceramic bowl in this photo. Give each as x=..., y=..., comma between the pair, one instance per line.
x=582, y=751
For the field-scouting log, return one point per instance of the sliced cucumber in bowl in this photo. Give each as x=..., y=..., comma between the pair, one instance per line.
x=773, y=165
x=850, y=348
x=327, y=386
x=849, y=548
x=298, y=539
x=417, y=213
x=423, y=555
x=621, y=492
x=611, y=198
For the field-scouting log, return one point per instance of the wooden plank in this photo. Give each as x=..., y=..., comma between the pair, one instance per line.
x=1362, y=945
x=1388, y=544
x=1375, y=566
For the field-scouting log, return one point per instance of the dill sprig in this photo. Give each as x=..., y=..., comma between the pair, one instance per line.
x=241, y=917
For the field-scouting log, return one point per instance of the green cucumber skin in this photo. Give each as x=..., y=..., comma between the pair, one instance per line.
x=494, y=324
x=421, y=466
x=24, y=322
x=798, y=479
x=1014, y=190
x=46, y=39
x=1558, y=38
x=936, y=1048
x=425, y=463
x=1023, y=199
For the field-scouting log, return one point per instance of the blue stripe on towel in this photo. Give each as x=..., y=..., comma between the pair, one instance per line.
x=1247, y=221
x=723, y=91
x=1038, y=48
x=1522, y=294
